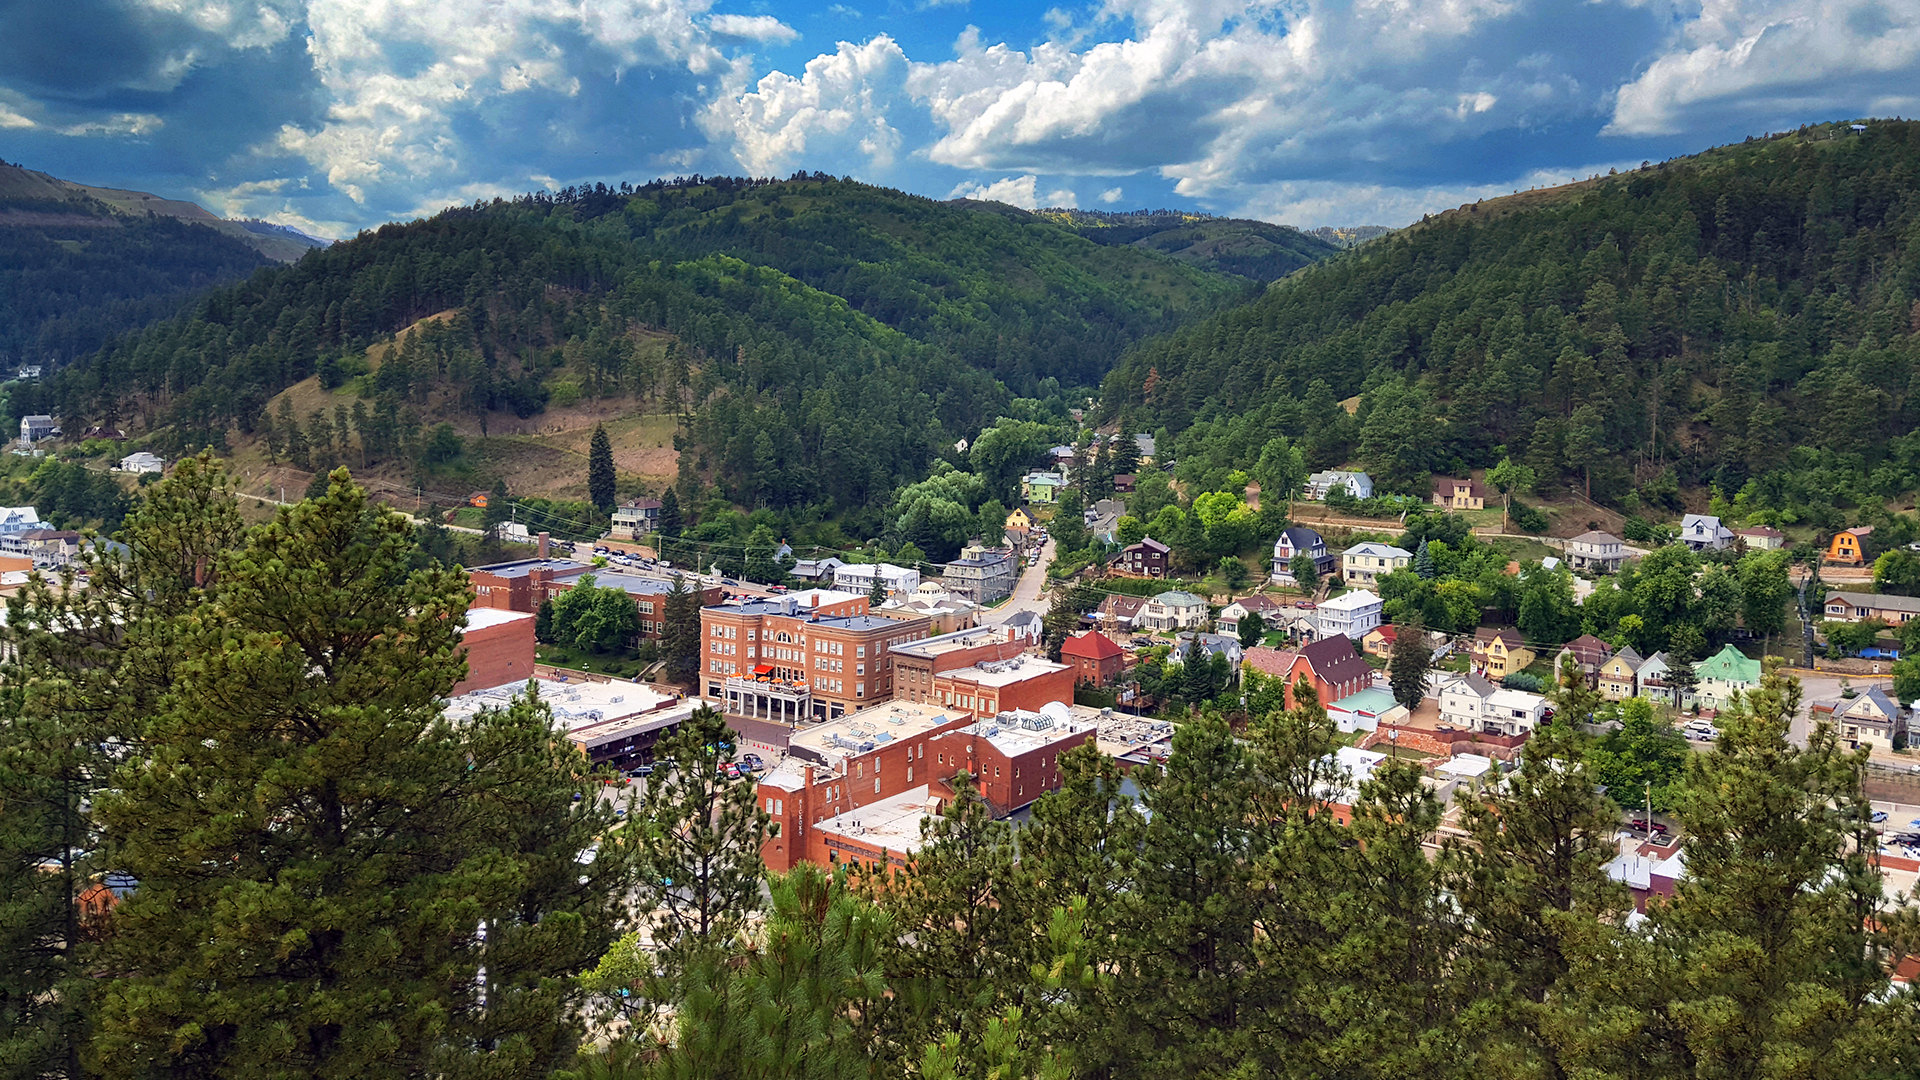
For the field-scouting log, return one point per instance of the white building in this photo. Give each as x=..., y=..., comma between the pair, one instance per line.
x=1473, y=703
x=18, y=519
x=1703, y=532
x=35, y=428
x=1351, y=613
x=1358, y=484
x=1364, y=564
x=141, y=462
x=859, y=578
x=1173, y=610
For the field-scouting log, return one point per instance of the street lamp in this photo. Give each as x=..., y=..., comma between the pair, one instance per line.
x=1393, y=743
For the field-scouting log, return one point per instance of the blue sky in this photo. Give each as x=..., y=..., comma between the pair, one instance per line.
x=336, y=115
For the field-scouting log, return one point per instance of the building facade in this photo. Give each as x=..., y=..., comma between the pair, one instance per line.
x=813, y=657
x=1366, y=564
x=983, y=578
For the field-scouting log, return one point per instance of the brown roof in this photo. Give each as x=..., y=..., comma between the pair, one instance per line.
x=1260, y=602
x=1270, y=661
x=1760, y=530
x=1334, y=660
x=1122, y=606
x=1589, y=650
x=1444, y=485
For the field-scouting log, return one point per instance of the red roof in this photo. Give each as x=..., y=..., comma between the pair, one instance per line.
x=1387, y=633
x=1092, y=645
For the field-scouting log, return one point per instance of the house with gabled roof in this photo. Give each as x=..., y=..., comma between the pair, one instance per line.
x=1870, y=718
x=1366, y=564
x=1762, y=537
x=1120, y=612
x=1456, y=493
x=1148, y=558
x=1620, y=675
x=1330, y=665
x=1654, y=686
x=1724, y=674
x=1358, y=484
x=1257, y=604
x=1703, y=532
x=1300, y=540
x=1598, y=551
x=1589, y=652
x=1855, y=607
x=1499, y=651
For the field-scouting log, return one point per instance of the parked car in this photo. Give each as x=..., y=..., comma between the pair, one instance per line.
x=730, y=771
x=640, y=770
x=1879, y=654
x=1641, y=824
x=1879, y=816
x=752, y=761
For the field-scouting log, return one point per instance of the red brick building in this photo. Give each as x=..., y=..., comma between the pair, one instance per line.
x=1331, y=666
x=1095, y=659
x=837, y=770
x=993, y=686
x=816, y=655
x=916, y=664
x=524, y=584
x=499, y=649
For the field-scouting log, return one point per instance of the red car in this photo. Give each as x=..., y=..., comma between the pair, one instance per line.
x=1641, y=824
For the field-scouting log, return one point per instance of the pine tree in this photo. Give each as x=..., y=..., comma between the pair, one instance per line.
x=600, y=473
x=1532, y=886
x=877, y=595
x=1306, y=573
x=699, y=839
x=1423, y=562
x=962, y=944
x=44, y=766
x=670, y=522
x=1407, y=667
x=680, y=634
x=499, y=509
x=369, y=851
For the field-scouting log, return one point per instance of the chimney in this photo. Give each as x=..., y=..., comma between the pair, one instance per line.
x=543, y=545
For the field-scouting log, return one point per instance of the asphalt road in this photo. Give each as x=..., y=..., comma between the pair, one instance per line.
x=1026, y=592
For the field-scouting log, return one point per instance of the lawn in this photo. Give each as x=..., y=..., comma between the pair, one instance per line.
x=621, y=666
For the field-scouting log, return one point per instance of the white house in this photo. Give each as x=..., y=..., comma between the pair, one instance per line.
x=1703, y=532
x=1597, y=550
x=141, y=462
x=1463, y=701
x=1512, y=712
x=1351, y=613
x=18, y=519
x=1364, y=564
x=37, y=427
x=1358, y=484
x=859, y=578
x=1173, y=610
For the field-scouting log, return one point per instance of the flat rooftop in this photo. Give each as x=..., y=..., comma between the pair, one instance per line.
x=574, y=704
x=833, y=742
x=1005, y=672
x=797, y=604
x=522, y=567
x=928, y=648
x=892, y=824
x=1020, y=732
x=481, y=618
x=1120, y=735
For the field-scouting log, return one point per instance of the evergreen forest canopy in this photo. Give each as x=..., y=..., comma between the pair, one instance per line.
x=73, y=274
x=1746, y=318
x=1259, y=250
x=828, y=339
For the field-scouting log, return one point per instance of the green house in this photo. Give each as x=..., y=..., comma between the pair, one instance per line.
x=1724, y=673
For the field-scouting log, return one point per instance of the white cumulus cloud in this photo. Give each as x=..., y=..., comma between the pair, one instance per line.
x=1777, y=59
x=1021, y=191
x=838, y=111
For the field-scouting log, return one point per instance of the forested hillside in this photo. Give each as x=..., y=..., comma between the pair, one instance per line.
x=827, y=338
x=1744, y=318
x=1259, y=250
x=74, y=272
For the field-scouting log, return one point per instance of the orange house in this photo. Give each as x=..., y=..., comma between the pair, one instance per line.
x=1849, y=548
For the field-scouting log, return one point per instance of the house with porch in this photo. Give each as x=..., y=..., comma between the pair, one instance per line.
x=1299, y=540
x=1500, y=651
x=1366, y=564
x=1869, y=719
x=1620, y=675
x=1598, y=551
x=1455, y=493
x=1257, y=604
x=1703, y=532
x=1173, y=610
x=1723, y=675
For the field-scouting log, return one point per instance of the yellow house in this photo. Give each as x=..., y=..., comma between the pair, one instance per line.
x=1500, y=652
x=1619, y=676
x=1019, y=519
